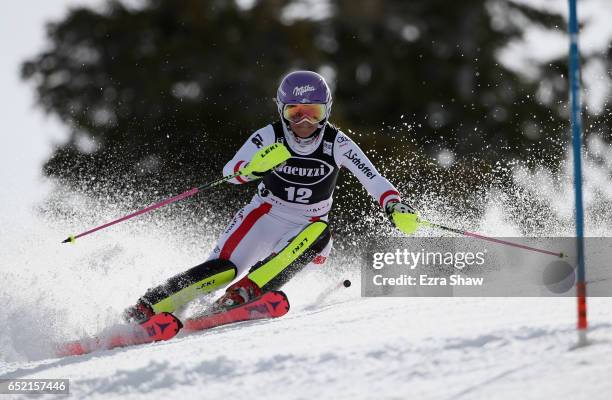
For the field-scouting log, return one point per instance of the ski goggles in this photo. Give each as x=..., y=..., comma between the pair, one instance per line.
x=313, y=113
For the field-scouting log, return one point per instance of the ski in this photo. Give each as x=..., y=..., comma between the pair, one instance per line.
x=271, y=304
x=165, y=326
x=162, y=326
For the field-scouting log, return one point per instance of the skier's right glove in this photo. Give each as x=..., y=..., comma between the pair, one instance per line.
x=403, y=216
x=265, y=160
x=255, y=175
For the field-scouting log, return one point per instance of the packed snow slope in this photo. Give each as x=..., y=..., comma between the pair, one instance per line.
x=356, y=348
x=332, y=344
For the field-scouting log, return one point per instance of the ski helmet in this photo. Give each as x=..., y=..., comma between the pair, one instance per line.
x=304, y=88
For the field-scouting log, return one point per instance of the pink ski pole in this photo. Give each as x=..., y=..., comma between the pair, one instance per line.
x=190, y=192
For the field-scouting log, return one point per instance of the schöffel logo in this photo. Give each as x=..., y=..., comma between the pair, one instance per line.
x=303, y=171
x=300, y=90
x=360, y=164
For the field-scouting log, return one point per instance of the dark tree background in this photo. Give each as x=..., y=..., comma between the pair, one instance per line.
x=164, y=94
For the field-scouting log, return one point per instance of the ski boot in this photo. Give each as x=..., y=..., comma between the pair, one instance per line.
x=138, y=313
x=240, y=292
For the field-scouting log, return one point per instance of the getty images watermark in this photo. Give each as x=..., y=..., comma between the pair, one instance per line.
x=423, y=259
x=468, y=267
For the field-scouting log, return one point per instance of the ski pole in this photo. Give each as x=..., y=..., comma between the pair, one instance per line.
x=181, y=196
x=490, y=239
x=264, y=160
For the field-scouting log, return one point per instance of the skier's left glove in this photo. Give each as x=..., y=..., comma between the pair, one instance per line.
x=403, y=216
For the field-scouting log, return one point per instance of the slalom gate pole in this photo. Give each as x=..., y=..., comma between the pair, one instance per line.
x=491, y=239
x=574, y=78
x=190, y=192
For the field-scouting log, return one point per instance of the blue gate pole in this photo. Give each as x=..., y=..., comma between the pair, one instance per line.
x=574, y=78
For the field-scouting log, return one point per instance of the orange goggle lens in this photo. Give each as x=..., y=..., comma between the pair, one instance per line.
x=298, y=112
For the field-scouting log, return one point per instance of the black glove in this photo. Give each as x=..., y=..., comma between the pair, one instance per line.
x=399, y=207
x=403, y=216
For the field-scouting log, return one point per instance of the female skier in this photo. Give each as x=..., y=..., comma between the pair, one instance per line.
x=284, y=227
